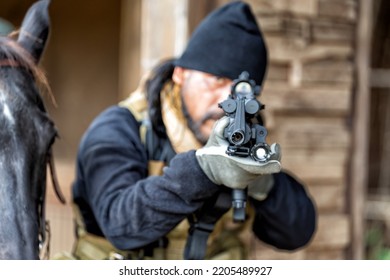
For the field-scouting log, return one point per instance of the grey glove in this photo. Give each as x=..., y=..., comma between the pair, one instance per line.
x=231, y=171
x=259, y=188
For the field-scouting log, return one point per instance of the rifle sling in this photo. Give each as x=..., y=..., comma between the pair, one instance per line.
x=202, y=224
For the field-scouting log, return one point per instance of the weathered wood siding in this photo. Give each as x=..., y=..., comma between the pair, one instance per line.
x=308, y=96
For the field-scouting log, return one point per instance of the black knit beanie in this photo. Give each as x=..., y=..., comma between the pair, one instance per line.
x=227, y=42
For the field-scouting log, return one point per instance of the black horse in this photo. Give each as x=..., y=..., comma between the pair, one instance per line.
x=26, y=137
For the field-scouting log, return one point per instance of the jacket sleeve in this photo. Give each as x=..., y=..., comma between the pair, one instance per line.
x=286, y=219
x=131, y=209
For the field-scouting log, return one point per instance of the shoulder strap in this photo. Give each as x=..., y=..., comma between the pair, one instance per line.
x=137, y=104
x=159, y=150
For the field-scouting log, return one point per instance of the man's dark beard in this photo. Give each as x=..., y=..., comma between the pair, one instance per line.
x=195, y=126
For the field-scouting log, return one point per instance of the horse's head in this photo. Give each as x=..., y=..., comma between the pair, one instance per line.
x=26, y=137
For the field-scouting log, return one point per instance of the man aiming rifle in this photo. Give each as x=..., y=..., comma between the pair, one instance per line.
x=152, y=179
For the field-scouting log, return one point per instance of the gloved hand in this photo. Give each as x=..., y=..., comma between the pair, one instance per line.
x=261, y=186
x=232, y=171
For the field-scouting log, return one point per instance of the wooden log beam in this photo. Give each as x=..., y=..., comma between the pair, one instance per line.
x=359, y=159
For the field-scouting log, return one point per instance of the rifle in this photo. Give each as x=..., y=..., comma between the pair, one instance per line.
x=245, y=134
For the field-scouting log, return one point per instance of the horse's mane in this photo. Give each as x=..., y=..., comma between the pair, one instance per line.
x=13, y=55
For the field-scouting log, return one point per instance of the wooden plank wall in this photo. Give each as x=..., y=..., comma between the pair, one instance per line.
x=308, y=104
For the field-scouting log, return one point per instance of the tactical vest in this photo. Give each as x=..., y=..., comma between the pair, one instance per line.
x=218, y=241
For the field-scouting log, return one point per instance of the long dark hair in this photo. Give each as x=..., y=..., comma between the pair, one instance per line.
x=159, y=76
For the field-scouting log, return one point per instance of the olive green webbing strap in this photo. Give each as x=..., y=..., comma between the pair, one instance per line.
x=92, y=247
x=88, y=246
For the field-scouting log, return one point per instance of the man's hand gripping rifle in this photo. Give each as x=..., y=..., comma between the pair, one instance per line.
x=245, y=134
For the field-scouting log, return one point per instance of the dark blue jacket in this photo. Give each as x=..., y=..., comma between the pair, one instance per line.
x=118, y=200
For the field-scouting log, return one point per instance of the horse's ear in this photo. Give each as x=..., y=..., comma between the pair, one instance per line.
x=35, y=29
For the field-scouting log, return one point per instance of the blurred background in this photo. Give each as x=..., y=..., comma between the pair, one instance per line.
x=326, y=95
